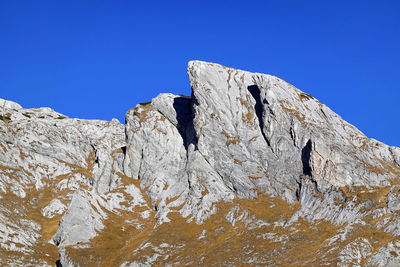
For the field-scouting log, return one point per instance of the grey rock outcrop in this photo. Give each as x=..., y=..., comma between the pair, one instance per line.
x=242, y=151
x=252, y=132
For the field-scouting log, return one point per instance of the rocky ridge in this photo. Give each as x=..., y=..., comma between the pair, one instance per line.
x=248, y=170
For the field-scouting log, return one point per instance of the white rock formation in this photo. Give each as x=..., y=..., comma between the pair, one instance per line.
x=247, y=155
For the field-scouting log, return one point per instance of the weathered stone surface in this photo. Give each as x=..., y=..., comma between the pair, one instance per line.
x=387, y=256
x=55, y=207
x=46, y=156
x=248, y=170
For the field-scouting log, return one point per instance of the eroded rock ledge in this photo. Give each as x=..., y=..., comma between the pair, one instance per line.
x=246, y=170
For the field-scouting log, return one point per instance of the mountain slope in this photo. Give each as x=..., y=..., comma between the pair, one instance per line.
x=248, y=170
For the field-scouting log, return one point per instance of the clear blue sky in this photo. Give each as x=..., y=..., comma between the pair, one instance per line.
x=97, y=59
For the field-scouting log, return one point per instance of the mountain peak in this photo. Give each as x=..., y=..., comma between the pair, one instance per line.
x=247, y=158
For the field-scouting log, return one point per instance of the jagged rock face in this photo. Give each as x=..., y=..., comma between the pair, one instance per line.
x=248, y=170
x=45, y=159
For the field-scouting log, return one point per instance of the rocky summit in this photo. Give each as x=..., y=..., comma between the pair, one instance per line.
x=248, y=170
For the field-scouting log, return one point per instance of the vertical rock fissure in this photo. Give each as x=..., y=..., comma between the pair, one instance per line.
x=141, y=163
x=184, y=117
x=305, y=158
x=254, y=90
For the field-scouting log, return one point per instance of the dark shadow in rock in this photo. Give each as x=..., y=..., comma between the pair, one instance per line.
x=124, y=150
x=58, y=263
x=254, y=90
x=184, y=116
x=305, y=158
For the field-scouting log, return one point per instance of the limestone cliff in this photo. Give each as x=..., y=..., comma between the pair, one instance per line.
x=248, y=170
